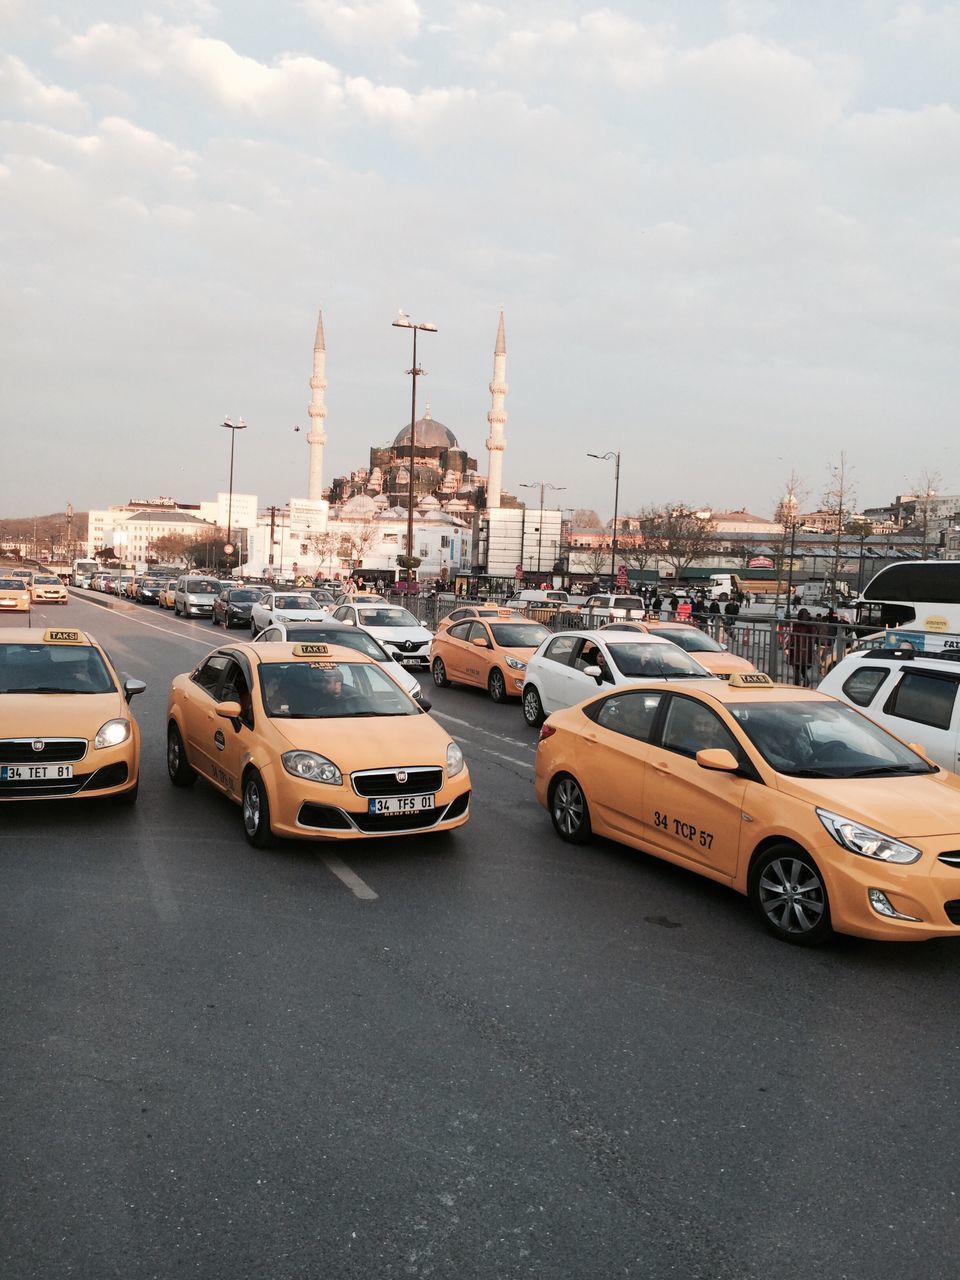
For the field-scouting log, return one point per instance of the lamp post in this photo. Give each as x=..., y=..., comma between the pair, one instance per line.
x=233, y=428
x=403, y=321
x=793, y=541
x=541, y=485
x=605, y=457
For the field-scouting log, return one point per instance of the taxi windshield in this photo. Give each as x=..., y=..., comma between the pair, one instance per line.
x=46, y=580
x=306, y=690
x=349, y=637
x=692, y=641
x=662, y=661
x=50, y=668
x=387, y=618
x=519, y=635
x=11, y=584
x=824, y=740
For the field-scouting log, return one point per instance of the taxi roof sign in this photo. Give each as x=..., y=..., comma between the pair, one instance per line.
x=59, y=636
x=750, y=680
x=310, y=650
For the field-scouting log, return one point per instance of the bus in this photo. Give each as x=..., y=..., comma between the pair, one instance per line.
x=922, y=595
x=83, y=571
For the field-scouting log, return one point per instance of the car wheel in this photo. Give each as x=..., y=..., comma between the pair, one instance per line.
x=127, y=799
x=532, y=707
x=181, y=774
x=496, y=686
x=724, y=596
x=253, y=627
x=440, y=674
x=213, y=620
x=256, y=811
x=569, y=811
x=176, y=609
x=787, y=890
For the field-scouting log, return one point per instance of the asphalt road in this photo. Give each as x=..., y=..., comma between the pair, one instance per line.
x=480, y=1055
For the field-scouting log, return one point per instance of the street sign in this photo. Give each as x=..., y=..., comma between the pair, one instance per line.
x=228, y=548
x=622, y=578
x=518, y=572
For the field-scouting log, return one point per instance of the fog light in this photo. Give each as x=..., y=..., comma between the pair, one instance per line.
x=884, y=907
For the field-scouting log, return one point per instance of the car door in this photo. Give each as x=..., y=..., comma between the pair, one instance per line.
x=200, y=715
x=231, y=738
x=551, y=670
x=613, y=759
x=476, y=658
x=923, y=707
x=455, y=649
x=692, y=813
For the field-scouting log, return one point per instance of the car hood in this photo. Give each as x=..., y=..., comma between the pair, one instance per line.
x=723, y=664
x=404, y=678
x=298, y=615
x=907, y=808
x=397, y=635
x=372, y=742
x=58, y=715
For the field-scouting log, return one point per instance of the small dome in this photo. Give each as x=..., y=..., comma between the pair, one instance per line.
x=430, y=435
x=429, y=503
x=359, y=505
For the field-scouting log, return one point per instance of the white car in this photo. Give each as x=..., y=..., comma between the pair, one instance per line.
x=285, y=606
x=909, y=691
x=572, y=665
x=614, y=608
x=330, y=632
x=403, y=637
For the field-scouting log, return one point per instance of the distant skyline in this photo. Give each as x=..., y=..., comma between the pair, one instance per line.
x=724, y=235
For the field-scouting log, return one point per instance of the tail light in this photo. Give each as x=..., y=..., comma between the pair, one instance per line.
x=547, y=731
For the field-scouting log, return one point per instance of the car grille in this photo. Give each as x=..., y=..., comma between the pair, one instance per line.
x=111, y=775
x=55, y=750
x=406, y=646
x=384, y=782
x=952, y=909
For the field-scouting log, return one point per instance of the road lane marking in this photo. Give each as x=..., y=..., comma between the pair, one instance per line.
x=359, y=888
x=475, y=728
x=211, y=643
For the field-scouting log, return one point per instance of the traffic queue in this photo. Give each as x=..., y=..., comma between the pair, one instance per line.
x=827, y=821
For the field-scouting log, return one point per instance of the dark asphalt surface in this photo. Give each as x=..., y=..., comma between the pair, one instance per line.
x=517, y=1060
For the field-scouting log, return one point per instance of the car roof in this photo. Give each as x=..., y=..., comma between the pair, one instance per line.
x=283, y=651
x=34, y=635
x=606, y=636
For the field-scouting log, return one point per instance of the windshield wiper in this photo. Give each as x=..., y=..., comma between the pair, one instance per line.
x=47, y=688
x=889, y=770
x=806, y=773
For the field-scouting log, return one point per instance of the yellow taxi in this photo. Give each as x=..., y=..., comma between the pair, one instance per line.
x=825, y=820
x=14, y=593
x=718, y=660
x=65, y=725
x=167, y=597
x=464, y=611
x=314, y=741
x=489, y=653
x=46, y=588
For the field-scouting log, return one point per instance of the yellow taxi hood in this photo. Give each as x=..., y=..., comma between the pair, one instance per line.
x=58, y=715
x=906, y=808
x=725, y=663
x=522, y=654
x=353, y=742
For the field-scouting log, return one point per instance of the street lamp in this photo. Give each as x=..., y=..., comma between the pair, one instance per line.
x=541, y=485
x=403, y=321
x=605, y=457
x=233, y=428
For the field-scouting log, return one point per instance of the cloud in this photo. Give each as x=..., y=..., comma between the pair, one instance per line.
x=24, y=93
x=366, y=21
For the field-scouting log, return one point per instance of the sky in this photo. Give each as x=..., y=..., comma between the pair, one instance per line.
x=725, y=235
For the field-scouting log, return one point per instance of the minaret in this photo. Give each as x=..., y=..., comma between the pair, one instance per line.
x=317, y=437
x=497, y=417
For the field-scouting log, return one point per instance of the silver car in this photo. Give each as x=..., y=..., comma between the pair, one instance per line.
x=194, y=596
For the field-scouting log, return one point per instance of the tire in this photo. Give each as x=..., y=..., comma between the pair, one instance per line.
x=127, y=799
x=213, y=620
x=253, y=628
x=255, y=809
x=181, y=774
x=569, y=812
x=496, y=686
x=176, y=609
x=724, y=597
x=532, y=707
x=439, y=672
x=787, y=890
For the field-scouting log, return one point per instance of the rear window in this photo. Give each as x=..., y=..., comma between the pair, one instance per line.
x=925, y=697
x=863, y=684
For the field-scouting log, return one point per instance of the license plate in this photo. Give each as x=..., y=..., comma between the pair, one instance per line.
x=32, y=772
x=400, y=804
x=411, y=662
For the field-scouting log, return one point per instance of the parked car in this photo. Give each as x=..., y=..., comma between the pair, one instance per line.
x=193, y=596
x=400, y=633
x=572, y=665
x=167, y=594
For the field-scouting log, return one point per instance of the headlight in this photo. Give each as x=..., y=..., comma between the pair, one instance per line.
x=282, y=617
x=515, y=664
x=454, y=760
x=316, y=768
x=112, y=733
x=865, y=841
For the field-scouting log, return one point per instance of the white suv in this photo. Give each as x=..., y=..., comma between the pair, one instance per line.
x=914, y=695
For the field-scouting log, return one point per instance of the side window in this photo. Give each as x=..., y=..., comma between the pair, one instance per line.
x=208, y=674
x=272, y=635
x=924, y=696
x=342, y=614
x=236, y=688
x=631, y=714
x=691, y=727
x=478, y=632
x=861, y=686
x=460, y=631
x=562, y=649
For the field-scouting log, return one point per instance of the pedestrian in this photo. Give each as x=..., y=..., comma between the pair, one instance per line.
x=350, y=588
x=674, y=604
x=802, y=647
x=731, y=611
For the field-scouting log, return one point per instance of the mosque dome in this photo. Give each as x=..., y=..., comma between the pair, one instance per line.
x=359, y=505
x=431, y=434
x=428, y=503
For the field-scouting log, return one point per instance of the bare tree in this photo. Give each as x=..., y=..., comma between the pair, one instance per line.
x=787, y=516
x=638, y=543
x=168, y=546
x=323, y=546
x=584, y=518
x=925, y=493
x=596, y=557
x=840, y=502
x=679, y=536
x=362, y=538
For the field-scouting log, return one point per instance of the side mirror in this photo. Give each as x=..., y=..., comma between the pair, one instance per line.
x=480, y=643
x=718, y=758
x=423, y=704
x=594, y=673
x=228, y=710
x=132, y=687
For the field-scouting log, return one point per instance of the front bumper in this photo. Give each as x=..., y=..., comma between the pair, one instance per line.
x=109, y=771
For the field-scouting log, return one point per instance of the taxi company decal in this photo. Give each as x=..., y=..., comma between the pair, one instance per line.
x=936, y=622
